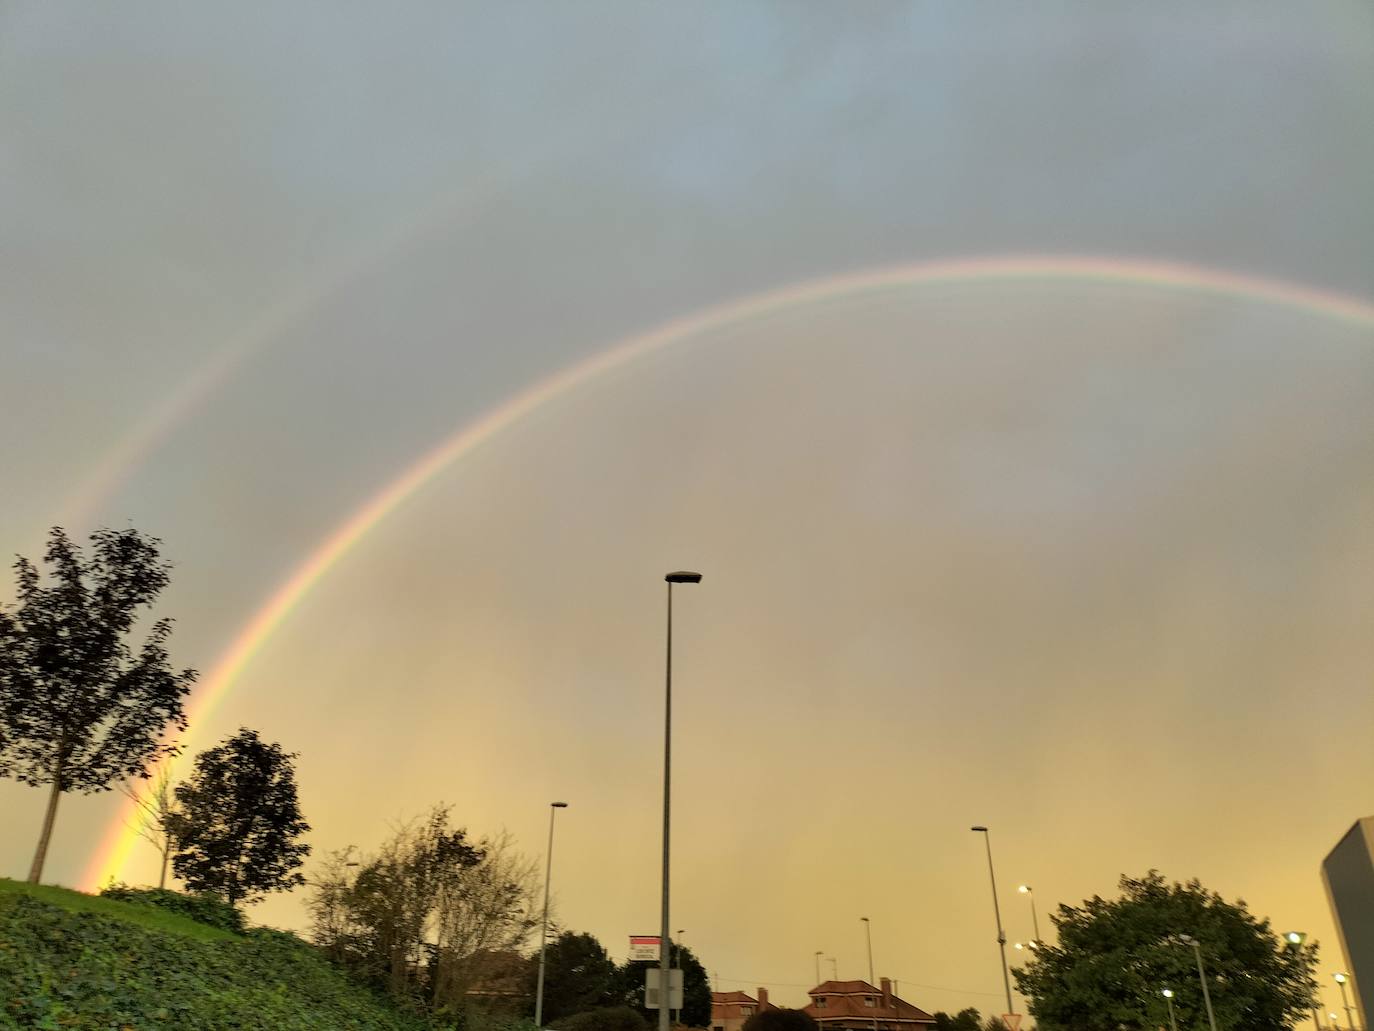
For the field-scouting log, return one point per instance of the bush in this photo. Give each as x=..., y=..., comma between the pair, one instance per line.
x=202, y=907
x=616, y=1018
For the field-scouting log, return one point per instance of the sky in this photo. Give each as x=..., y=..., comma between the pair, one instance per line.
x=1076, y=553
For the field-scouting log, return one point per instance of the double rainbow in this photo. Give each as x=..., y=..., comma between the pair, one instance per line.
x=112, y=855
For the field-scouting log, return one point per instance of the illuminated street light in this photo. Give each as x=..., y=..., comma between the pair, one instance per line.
x=1025, y=889
x=1168, y=994
x=1295, y=939
x=1341, y=979
x=665, y=956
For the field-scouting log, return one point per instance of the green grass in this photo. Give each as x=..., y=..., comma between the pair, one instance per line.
x=69, y=960
x=145, y=916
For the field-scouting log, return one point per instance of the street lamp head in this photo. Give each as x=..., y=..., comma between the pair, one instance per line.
x=864, y=919
x=979, y=830
x=1187, y=939
x=1024, y=889
x=1168, y=993
x=683, y=577
x=559, y=805
x=1295, y=937
x=1018, y=946
x=1340, y=979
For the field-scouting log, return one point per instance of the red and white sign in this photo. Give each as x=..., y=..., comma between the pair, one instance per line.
x=643, y=947
x=1012, y=1020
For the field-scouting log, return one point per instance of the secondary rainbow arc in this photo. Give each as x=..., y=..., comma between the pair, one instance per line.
x=117, y=843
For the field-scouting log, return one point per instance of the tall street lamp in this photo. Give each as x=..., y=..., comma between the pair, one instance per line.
x=997, y=912
x=1202, y=977
x=868, y=933
x=544, y=932
x=818, y=966
x=1025, y=889
x=834, y=967
x=1345, y=999
x=664, y=954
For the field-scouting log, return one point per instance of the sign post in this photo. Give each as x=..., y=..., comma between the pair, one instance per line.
x=643, y=948
x=651, y=993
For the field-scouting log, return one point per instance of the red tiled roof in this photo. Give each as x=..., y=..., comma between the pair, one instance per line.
x=845, y=1000
x=725, y=998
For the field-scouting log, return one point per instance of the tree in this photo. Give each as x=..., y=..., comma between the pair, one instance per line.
x=1114, y=957
x=238, y=821
x=79, y=709
x=696, y=988
x=965, y=1020
x=579, y=975
x=431, y=914
x=153, y=813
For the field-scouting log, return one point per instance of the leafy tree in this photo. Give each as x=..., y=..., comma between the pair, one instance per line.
x=238, y=821
x=431, y=915
x=1114, y=957
x=965, y=1020
x=79, y=709
x=696, y=988
x=579, y=975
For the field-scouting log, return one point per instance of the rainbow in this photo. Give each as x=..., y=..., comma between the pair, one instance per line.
x=118, y=842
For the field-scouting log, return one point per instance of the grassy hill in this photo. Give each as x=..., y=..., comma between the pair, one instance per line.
x=69, y=960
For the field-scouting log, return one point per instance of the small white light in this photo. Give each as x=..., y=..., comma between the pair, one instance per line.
x=1168, y=993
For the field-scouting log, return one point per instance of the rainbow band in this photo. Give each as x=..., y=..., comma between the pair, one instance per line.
x=113, y=853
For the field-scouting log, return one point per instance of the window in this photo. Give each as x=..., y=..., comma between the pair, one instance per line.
x=820, y=1002
x=869, y=1001
x=746, y=1011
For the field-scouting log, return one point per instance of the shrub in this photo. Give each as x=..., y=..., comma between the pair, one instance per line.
x=616, y=1018
x=202, y=907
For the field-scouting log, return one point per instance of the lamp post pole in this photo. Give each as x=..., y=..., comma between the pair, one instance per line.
x=1202, y=978
x=868, y=934
x=1169, y=1001
x=1025, y=889
x=544, y=931
x=1345, y=999
x=818, y=966
x=664, y=944
x=997, y=912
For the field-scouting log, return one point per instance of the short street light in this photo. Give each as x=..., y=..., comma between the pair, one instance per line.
x=1025, y=889
x=1345, y=999
x=1202, y=977
x=1168, y=994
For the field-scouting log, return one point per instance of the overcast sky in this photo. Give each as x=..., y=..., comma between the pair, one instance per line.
x=1088, y=561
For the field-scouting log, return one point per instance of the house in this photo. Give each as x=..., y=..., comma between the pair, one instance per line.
x=729, y=1010
x=860, y=1006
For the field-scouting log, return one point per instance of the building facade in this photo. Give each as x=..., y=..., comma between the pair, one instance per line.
x=859, y=1006
x=729, y=1010
x=1348, y=872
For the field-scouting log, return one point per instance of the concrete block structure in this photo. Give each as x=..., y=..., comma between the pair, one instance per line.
x=1348, y=872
